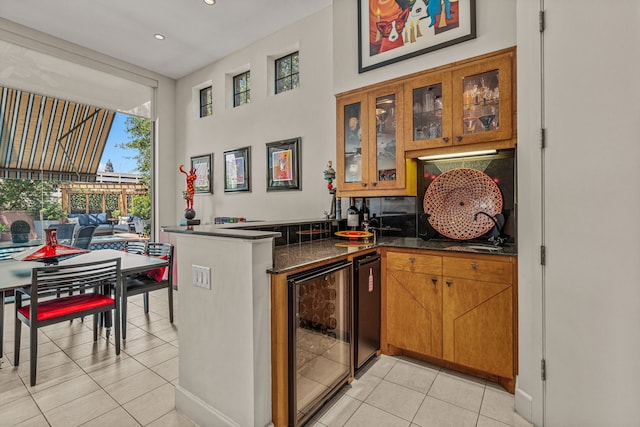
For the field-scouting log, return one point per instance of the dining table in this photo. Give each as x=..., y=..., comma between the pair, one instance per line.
x=17, y=274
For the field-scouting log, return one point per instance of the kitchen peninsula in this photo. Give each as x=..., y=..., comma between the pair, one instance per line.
x=234, y=340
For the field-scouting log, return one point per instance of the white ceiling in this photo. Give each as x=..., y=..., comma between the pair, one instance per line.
x=196, y=34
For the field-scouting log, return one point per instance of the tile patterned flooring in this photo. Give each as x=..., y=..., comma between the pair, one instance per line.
x=80, y=383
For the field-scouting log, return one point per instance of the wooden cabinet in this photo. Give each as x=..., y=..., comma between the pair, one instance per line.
x=414, y=302
x=370, y=150
x=478, y=314
x=458, y=309
x=466, y=103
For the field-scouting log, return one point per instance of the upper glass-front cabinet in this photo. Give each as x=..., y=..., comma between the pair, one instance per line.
x=466, y=105
x=428, y=107
x=370, y=150
x=482, y=99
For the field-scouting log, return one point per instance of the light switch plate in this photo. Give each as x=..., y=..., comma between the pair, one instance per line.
x=201, y=276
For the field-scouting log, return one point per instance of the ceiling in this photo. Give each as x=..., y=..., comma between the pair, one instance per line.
x=196, y=34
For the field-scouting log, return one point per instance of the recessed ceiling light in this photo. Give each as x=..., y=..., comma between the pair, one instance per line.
x=210, y=2
x=159, y=36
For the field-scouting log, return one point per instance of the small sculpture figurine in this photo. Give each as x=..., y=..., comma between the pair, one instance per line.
x=330, y=175
x=189, y=213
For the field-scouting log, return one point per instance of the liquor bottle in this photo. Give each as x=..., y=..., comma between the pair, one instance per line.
x=353, y=217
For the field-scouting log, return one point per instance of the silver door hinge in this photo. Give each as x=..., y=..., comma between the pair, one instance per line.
x=543, y=255
x=543, y=369
x=543, y=137
x=541, y=20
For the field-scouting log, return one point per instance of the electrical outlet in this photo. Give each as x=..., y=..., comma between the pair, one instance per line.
x=201, y=276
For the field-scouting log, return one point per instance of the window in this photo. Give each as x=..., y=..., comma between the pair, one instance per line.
x=287, y=74
x=242, y=89
x=206, y=101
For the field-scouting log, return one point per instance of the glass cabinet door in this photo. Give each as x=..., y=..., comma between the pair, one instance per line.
x=352, y=148
x=428, y=112
x=353, y=142
x=386, y=169
x=482, y=101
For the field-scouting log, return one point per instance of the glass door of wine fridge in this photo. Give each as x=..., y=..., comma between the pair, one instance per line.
x=319, y=337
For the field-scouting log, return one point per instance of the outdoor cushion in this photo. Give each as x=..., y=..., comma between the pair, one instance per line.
x=157, y=274
x=67, y=305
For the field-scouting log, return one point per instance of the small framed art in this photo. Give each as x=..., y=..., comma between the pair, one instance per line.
x=204, y=176
x=237, y=169
x=283, y=165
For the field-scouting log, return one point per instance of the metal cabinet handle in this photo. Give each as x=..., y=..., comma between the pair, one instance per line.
x=445, y=139
x=449, y=283
x=474, y=265
x=411, y=260
x=364, y=184
x=434, y=280
x=459, y=137
x=373, y=184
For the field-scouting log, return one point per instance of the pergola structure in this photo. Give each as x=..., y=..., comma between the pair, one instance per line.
x=93, y=197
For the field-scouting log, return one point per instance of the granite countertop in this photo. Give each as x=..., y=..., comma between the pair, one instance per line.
x=217, y=231
x=289, y=257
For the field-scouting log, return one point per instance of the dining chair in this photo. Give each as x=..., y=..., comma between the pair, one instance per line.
x=83, y=237
x=149, y=281
x=136, y=246
x=45, y=308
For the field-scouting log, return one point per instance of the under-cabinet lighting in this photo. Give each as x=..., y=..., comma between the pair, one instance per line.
x=210, y=2
x=452, y=155
x=159, y=36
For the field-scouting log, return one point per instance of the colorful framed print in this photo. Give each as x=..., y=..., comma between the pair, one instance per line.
x=237, y=169
x=204, y=176
x=283, y=165
x=391, y=31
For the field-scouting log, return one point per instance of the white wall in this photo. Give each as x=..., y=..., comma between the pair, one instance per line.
x=307, y=112
x=591, y=211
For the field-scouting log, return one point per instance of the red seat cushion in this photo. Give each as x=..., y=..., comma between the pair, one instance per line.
x=67, y=305
x=157, y=274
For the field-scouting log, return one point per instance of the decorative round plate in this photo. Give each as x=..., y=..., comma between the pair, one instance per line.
x=353, y=234
x=455, y=198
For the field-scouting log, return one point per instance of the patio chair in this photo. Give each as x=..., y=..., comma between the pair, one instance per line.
x=64, y=232
x=45, y=308
x=83, y=237
x=150, y=281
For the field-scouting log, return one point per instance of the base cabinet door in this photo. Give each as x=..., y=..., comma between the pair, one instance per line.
x=478, y=325
x=414, y=312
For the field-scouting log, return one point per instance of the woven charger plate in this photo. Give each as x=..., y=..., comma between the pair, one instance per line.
x=454, y=198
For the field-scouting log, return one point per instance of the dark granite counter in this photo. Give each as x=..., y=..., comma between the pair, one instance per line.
x=218, y=231
x=290, y=257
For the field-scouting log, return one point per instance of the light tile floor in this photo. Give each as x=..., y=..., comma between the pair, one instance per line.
x=396, y=391
x=80, y=383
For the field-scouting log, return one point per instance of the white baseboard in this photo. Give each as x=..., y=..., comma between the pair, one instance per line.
x=199, y=412
x=524, y=405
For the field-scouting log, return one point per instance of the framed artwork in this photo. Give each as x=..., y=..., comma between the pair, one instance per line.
x=283, y=165
x=391, y=31
x=204, y=176
x=237, y=167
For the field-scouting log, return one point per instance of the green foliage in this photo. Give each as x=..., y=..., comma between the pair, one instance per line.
x=141, y=206
x=32, y=196
x=52, y=211
x=3, y=228
x=139, y=131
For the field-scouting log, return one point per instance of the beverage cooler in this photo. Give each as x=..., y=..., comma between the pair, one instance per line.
x=319, y=336
x=366, y=303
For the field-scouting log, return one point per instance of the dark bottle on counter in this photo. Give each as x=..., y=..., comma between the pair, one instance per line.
x=374, y=222
x=364, y=211
x=353, y=217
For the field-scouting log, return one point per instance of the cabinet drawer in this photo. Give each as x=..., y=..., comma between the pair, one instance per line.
x=414, y=263
x=485, y=270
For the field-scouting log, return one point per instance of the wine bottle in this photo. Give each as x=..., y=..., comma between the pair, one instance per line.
x=353, y=217
x=364, y=211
